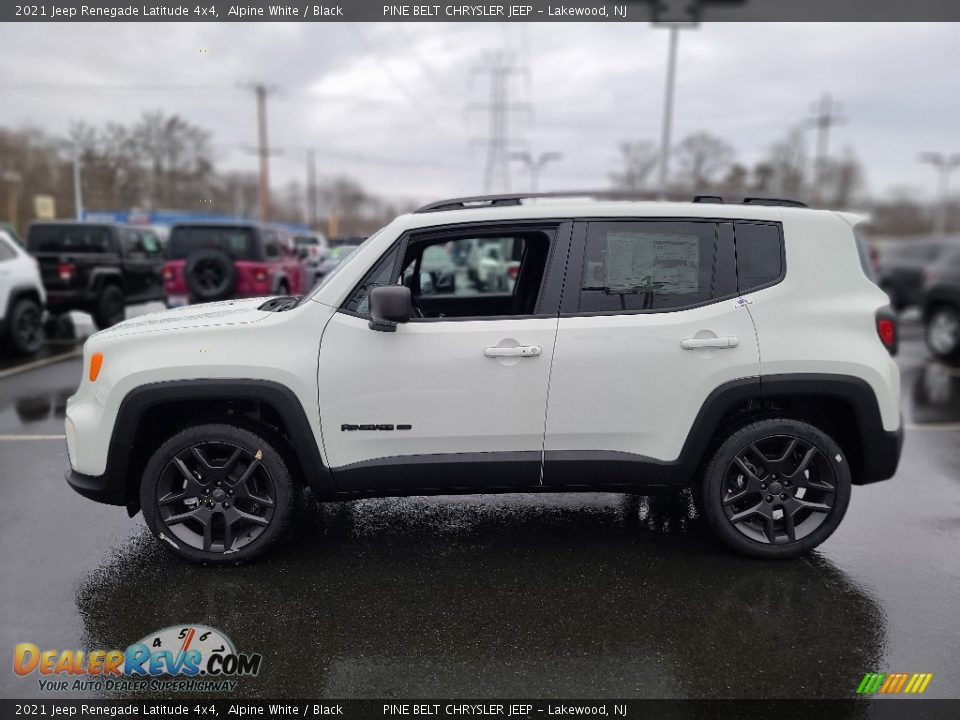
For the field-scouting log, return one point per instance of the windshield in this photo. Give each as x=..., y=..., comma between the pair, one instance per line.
x=347, y=259
x=237, y=242
x=68, y=238
x=305, y=240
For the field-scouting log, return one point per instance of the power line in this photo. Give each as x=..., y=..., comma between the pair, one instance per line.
x=500, y=68
x=826, y=116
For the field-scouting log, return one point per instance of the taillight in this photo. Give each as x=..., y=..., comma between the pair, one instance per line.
x=65, y=271
x=168, y=274
x=260, y=275
x=887, y=329
x=513, y=271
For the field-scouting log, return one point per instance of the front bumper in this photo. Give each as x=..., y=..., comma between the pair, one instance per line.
x=100, y=488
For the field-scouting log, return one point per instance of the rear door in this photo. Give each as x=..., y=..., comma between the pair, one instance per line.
x=650, y=327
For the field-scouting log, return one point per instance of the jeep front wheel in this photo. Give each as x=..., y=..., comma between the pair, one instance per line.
x=217, y=494
x=776, y=488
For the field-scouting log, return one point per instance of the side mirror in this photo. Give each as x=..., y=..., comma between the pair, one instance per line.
x=389, y=305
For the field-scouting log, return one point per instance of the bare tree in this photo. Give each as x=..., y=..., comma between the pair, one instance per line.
x=639, y=161
x=700, y=158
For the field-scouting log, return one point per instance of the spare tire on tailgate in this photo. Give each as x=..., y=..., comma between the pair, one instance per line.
x=210, y=275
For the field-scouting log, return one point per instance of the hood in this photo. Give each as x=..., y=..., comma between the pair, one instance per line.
x=226, y=312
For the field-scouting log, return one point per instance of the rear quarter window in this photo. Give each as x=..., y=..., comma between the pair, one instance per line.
x=760, y=261
x=69, y=239
x=236, y=242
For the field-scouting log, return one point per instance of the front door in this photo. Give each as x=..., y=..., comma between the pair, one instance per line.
x=452, y=400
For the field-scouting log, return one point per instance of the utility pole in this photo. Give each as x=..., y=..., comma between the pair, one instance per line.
x=944, y=165
x=312, y=219
x=535, y=166
x=13, y=178
x=77, y=184
x=666, y=129
x=263, y=149
x=500, y=68
x=827, y=115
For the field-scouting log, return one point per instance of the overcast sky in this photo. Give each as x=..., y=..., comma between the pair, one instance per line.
x=387, y=103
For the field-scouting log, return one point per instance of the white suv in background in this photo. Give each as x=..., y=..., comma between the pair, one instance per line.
x=22, y=298
x=736, y=349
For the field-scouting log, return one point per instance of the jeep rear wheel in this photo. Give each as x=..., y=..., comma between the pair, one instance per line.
x=776, y=488
x=25, y=327
x=110, y=307
x=217, y=494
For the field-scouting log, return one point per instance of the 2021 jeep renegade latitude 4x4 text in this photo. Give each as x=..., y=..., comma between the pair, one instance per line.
x=737, y=349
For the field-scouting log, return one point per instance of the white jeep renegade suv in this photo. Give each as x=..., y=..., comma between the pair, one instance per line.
x=737, y=349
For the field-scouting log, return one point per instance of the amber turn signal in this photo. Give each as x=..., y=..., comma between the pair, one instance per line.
x=96, y=360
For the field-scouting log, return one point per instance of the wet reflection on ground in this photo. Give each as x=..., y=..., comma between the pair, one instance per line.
x=605, y=595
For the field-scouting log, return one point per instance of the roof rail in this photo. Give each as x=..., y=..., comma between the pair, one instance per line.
x=485, y=201
x=708, y=199
x=779, y=202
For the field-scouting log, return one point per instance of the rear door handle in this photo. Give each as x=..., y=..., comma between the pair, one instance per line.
x=722, y=343
x=521, y=351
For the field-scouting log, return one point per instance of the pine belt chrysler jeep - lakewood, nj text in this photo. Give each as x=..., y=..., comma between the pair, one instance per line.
x=740, y=350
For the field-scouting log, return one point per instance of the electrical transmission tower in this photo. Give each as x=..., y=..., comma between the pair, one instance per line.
x=826, y=115
x=500, y=68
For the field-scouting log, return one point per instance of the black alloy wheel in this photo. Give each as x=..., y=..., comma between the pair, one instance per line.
x=26, y=328
x=776, y=488
x=217, y=494
x=779, y=489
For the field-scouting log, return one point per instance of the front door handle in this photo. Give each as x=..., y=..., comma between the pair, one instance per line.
x=521, y=351
x=722, y=343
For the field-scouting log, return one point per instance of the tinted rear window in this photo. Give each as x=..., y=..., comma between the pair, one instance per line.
x=69, y=238
x=759, y=255
x=237, y=242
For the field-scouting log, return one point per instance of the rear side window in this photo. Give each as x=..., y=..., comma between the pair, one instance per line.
x=69, y=238
x=759, y=255
x=237, y=242
x=649, y=266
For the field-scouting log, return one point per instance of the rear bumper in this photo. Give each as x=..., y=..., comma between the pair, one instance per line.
x=881, y=455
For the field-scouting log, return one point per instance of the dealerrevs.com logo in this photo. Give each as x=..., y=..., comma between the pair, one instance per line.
x=187, y=658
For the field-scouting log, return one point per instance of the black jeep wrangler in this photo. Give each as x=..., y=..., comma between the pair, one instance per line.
x=99, y=268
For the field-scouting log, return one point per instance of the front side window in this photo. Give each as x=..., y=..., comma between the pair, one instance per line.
x=635, y=266
x=458, y=276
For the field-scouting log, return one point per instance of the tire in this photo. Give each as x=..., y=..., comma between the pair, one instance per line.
x=770, y=465
x=251, y=509
x=24, y=327
x=110, y=307
x=942, y=332
x=210, y=275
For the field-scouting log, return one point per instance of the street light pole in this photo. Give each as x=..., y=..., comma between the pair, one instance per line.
x=535, y=167
x=77, y=186
x=667, y=127
x=944, y=165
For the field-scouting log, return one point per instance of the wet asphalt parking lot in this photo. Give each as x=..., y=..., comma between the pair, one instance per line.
x=595, y=595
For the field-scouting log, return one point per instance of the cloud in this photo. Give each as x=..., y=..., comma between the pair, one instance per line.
x=388, y=103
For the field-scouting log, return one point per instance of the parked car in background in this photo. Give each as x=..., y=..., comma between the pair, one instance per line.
x=900, y=268
x=941, y=306
x=98, y=268
x=218, y=261
x=21, y=299
x=487, y=266
x=438, y=267
x=312, y=248
x=336, y=255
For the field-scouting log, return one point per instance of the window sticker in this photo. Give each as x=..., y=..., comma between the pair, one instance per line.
x=667, y=264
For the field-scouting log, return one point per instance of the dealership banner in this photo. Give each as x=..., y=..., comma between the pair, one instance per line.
x=174, y=709
x=518, y=11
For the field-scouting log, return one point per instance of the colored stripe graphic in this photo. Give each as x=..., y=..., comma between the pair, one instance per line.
x=894, y=683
